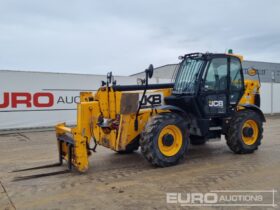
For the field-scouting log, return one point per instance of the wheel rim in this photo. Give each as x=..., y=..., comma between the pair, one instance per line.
x=170, y=140
x=250, y=132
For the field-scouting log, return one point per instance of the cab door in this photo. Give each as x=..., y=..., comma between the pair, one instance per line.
x=236, y=82
x=214, y=91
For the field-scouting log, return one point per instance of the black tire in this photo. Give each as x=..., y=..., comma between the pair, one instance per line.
x=197, y=140
x=234, y=136
x=149, y=139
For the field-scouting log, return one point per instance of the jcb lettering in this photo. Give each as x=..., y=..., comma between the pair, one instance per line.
x=216, y=103
x=152, y=100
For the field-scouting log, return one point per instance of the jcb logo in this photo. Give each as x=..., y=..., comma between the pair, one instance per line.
x=152, y=100
x=216, y=103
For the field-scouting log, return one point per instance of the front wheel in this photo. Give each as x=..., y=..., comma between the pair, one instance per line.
x=245, y=132
x=165, y=139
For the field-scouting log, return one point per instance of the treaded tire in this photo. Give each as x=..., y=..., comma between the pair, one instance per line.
x=197, y=140
x=150, y=134
x=234, y=135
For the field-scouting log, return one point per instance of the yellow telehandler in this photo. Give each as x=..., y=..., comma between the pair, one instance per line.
x=209, y=98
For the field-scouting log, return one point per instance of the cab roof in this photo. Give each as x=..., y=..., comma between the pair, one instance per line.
x=210, y=55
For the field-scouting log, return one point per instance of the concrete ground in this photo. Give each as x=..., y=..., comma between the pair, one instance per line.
x=129, y=182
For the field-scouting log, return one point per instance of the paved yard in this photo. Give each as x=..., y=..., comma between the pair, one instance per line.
x=129, y=182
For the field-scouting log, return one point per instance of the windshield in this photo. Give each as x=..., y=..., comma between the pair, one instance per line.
x=187, y=75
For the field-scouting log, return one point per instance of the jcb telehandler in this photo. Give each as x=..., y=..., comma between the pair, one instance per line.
x=209, y=98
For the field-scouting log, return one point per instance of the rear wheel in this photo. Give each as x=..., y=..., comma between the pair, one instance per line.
x=245, y=133
x=165, y=139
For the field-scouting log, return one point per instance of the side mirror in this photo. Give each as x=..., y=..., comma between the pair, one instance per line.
x=150, y=71
x=252, y=72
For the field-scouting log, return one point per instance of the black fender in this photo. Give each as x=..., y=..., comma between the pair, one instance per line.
x=254, y=108
x=257, y=100
x=172, y=108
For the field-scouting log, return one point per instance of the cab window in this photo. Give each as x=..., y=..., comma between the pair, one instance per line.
x=236, y=82
x=216, y=78
x=235, y=75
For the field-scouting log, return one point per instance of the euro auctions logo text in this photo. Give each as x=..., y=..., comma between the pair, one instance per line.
x=241, y=198
x=30, y=100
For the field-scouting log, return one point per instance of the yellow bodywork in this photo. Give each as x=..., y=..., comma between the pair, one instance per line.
x=252, y=87
x=108, y=117
x=117, y=106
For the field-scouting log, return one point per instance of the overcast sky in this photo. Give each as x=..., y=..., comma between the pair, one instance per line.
x=125, y=36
